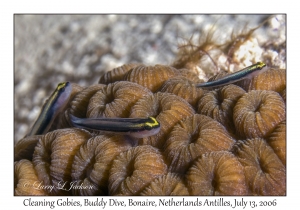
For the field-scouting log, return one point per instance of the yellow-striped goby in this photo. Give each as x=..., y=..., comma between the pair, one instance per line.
x=135, y=127
x=246, y=73
x=52, y=107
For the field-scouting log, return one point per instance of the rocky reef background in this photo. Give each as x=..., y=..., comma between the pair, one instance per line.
x=49, y=49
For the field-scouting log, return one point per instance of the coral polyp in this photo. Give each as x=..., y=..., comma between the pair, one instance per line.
x=218, y=104
x=26, y=180
x=217, y=173
x=53, y=157
x=265, y=174
x=184, y=88
x=257, y=113
x=94, y=159
x=134, y=169
x=272, y=79
x=170, y=184
x=192, y=137
x=151, y=77
x=116, y=74
x=115, y=99
x=168, y=110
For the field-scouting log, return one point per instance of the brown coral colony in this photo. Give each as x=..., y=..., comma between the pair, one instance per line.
x=230, y=140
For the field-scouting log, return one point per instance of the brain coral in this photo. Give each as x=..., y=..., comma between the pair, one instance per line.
x=225, y=141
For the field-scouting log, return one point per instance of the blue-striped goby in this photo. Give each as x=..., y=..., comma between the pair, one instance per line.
x=52, y=107
x=246, y=73
x=135, y=127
